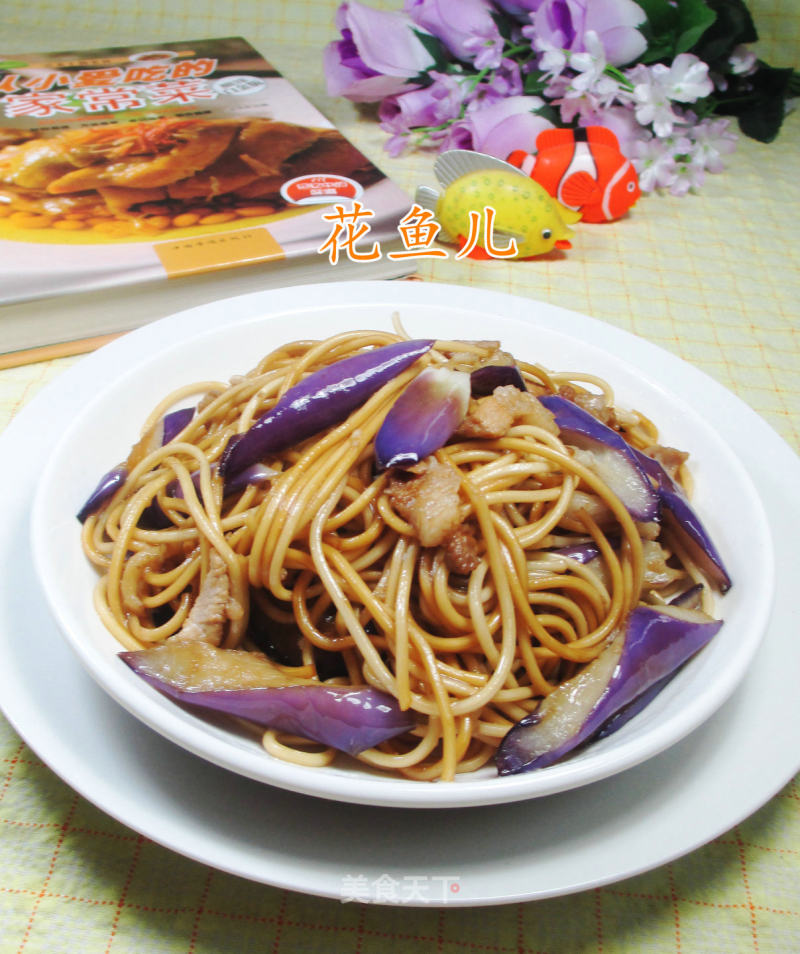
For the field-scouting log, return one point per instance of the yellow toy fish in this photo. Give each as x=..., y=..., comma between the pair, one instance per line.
x=493, y=210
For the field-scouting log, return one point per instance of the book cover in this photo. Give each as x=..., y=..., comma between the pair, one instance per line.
x=137, y=165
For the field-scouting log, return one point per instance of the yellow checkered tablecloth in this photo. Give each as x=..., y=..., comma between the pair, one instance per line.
x=712, y=278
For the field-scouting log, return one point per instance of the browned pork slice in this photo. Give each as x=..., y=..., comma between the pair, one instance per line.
x=429, y=501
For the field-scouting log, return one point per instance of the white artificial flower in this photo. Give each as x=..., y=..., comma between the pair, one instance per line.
x=712, y=139
x=651, y=98
x=656, y=88
x=689, y=174
x=589, y=89
x=590, y=67
x=655, y=164
x=552, y=61
x=689, y=79
x=742, y=61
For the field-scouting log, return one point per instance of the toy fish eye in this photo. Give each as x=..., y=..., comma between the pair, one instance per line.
x=546, y=233
x=631, y=186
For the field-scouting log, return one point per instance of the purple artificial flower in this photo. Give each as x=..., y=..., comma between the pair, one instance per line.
x=429, y=109
x=657, y=87
x=679, y=162
x=377, y=56
x=498, y=127
x=713, y=138
x=552, y=59
x=689, y=174
x=654, y=161
x=621, y=120
x=431, y=116
x=589, y=88
x=565, y=23
x=742, y=61
x=521, y=9
x=469, y=32
x=506, y=80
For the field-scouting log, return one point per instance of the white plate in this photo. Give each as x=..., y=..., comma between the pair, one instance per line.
x=547, y=847
x=215, y=342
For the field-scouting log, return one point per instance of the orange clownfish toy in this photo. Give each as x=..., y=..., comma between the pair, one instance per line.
x=584, y=169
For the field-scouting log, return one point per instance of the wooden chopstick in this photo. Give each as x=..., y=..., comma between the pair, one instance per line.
x=64, y=349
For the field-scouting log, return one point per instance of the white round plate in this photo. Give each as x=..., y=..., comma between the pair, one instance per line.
x=217, y=341
x=546, y=847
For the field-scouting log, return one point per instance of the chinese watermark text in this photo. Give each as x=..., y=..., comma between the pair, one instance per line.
x=408, y=889
x=418, y=231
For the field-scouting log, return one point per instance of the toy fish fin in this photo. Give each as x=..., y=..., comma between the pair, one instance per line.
x=426, y=197
x=549, y=138
x=454, y=163
x=602, y=136
x=505, y=233
x=579, y=189
x=569, y=216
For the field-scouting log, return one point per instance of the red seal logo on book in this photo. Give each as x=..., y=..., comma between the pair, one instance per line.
x=320, y=189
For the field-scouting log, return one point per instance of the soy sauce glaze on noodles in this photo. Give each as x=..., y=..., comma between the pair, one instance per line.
x=446, y=584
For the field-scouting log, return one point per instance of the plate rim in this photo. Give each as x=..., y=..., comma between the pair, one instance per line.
x=183, y=729
x=44, y=738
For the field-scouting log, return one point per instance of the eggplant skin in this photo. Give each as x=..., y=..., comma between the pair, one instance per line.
x=174, y=422
x=423, y=418
x=655, y=643
x=681, y=517
x=171, y=425
x=659, y=496
x=107, y=486
x=350, y=719
x=323, y=399
x=484, y=380
x=626, y=477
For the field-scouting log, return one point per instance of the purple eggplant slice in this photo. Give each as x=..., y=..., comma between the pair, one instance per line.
x=323, y=399
x=691, y=598
x=167, y=428
x=154, y=518
x=679, y=515
x=654, y=643
x=614, y=459
x=423, y=418
x=256, y=474
x=107, y=486
x=248, y=686
x=580, y=552
x=485, y=379
x=172, y=424
x=626, y=713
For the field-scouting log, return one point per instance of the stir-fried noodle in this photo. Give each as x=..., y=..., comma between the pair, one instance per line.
x=447, y=584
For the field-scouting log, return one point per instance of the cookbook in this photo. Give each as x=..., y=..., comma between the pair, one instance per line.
x=135, y=182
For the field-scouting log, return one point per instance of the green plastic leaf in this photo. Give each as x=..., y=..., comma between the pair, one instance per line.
x=550, y=113
x=758, y=101
x=732, y=27
x=694, y=19
x=434, y=49
x=673, y=28
x=660, y=49
x=662, y=17
x=505, y=26
x=534, y=83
